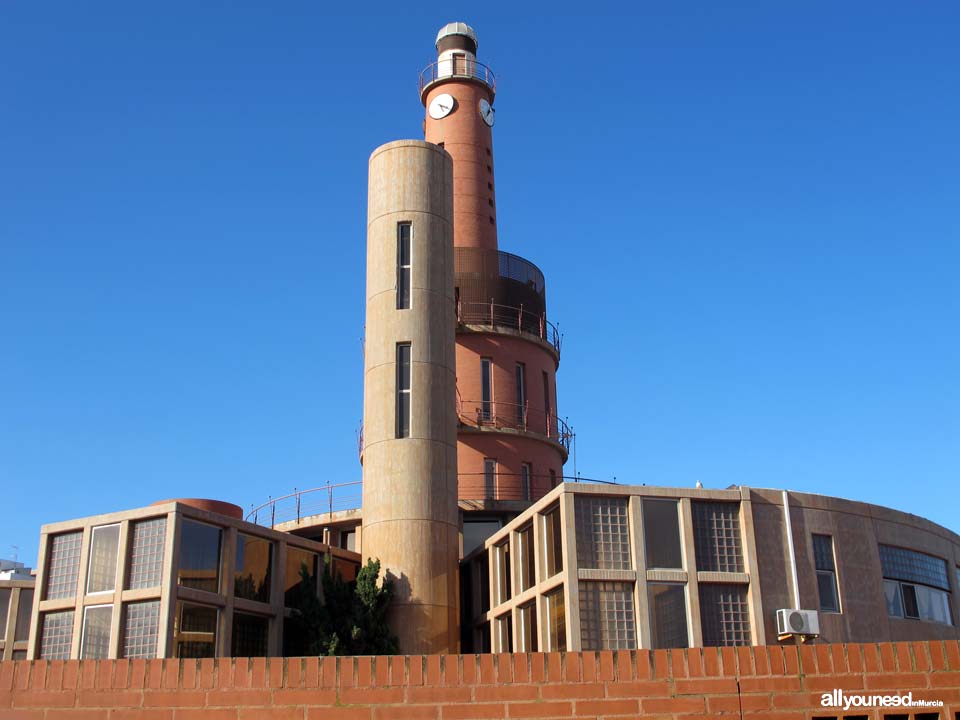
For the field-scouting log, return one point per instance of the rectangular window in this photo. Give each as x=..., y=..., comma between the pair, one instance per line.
x=501, y=566
x=141, y=628
x=552, y=542
x=556, y=621
x=607, y=620
x=4, y=609
x=301, y=568
x=916, y=585
x=404, y=231
x=24, y=610
x=527, y=619
x=603, y=533
x=199, y=565
x=553, y=478
x=56, y=635
x=716, y=532
x=64, y=566
x=195, y=631
x=476, y=531
x=251, y=579
x=525, y=480
x=249, y=637
x=403, y=390
x=525, y=553
x=724, y=614
x=661, y=533
x=486, y=389
x=826, y=573
x=102, y=566
x=504, y=629
x=668, y=615
x=146, y=553
x=489, y=478
x=95, y=637
x=547, y=404
x=348, y=540
x=521, y=396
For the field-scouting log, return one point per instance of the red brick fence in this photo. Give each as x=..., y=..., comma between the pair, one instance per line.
x=769, y=683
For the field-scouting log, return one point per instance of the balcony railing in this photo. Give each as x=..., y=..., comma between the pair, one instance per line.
x=495, y=315
x=457, y=67
x=512, y=416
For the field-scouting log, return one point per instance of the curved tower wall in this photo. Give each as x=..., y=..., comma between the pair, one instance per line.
x=410, y=483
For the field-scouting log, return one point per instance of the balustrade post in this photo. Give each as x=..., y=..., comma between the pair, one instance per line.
x=297, y=495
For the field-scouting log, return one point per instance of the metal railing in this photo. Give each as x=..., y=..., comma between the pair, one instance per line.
x=513, y=416
x=299, y=504
x=504, y=316
x=472, y=486
x=457, y=67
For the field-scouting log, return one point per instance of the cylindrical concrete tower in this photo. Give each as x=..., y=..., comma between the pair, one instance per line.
x=512, y=443
x=409, y=406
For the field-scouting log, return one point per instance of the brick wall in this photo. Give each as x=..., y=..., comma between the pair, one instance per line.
x=775, y=683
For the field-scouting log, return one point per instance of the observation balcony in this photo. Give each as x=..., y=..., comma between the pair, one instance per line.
x=502, y=291
x=455, y=68
x=495, y=415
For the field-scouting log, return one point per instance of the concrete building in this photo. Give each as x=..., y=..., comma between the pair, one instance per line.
x=16, y=603
x=180, y=578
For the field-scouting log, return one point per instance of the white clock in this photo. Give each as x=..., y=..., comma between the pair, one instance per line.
x=487, y=112
x=441, y=106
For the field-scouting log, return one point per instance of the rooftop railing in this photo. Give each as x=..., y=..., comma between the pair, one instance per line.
x=457, y=67
x=495, y=315
x=512, y=416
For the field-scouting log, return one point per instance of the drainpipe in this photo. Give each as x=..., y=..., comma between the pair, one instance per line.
x=793, y=555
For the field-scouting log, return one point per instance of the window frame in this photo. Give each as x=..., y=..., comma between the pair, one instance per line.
x=404, y=271
x=404, y=387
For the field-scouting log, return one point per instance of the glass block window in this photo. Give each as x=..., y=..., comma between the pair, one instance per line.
x=63, y=566
x=912, y=566
x=56, y=635
x=607, y=620
x=826, y=573
x=95, y=637
x=668, y=615
x=251, y=578
x=146, y=553
x=603, y=533
x=24, y=611
x=199, y=565
x=724, y=614
x=716, y=532
x=141, y=628
x=556, y=620
x=102, y=566
x=552, y=542
x=661, y=533
x=249, y=637
x=195, y=631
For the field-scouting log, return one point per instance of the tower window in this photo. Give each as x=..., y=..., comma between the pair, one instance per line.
x=403, y=390
x=525, y=473
x=521, y=396
x=404, y=231
x=489, y=478
x=486, y=389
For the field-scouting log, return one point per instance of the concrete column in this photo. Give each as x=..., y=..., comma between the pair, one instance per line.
x=410, y=520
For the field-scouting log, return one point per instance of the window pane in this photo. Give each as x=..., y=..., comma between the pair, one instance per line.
x=607, y=620
x=24, y=611
x=64, y=565
x=486, y=389
x=552, y=542
x=102, y=568
x=827, y=587
x=504, y=629
x=501, y=555
x=716, y=531
x=661, y=533
x=252, y=576
x=475, y=533
x=521, y=395
x=146, y=553
x=603, y=533
x=556, y=620
x=403, y=390
x=298, y=562
x=525, y=481
x=527, y=615
x=823, y=552
x=249, y=637
x=933, y=605
x=141, y=624
x=403, y=266
x=668, y=616
x=724, y=614
x=525, y=549
x=4, y=609
x=199, y=557
x=891, y=591
x=95, y=643
x=902, y=564
x=910, y=608
x=56, y=635
x=196, y=631
x=489, y=478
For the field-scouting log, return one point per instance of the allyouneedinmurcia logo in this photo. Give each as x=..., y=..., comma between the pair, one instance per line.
x=839, y=699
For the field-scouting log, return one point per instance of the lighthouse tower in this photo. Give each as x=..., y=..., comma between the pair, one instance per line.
x=511, y=444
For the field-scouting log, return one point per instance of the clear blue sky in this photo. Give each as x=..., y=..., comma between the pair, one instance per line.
x=747, y=214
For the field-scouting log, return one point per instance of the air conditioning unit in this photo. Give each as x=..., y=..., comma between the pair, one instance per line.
x=798, y=622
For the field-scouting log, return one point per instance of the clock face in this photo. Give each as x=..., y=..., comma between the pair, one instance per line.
x=487, y=112
x=441, y=106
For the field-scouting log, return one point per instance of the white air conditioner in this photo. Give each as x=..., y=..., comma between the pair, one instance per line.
x=798, y=622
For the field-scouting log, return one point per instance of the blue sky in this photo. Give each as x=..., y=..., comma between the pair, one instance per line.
x=747, y=215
